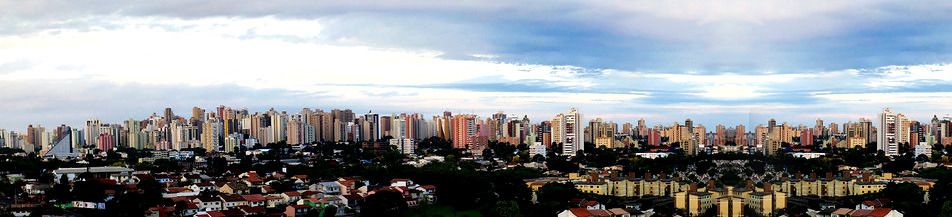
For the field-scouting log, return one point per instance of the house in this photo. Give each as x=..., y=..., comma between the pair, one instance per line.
x=291, y=196
x=234, y=188
x=869, y=204
x=255, y=200
x=301, y=177
x=253, y=210
x=401, y=182
x=618, y=212
x=159, y=211
x=190, y=209
x=193, y=178
x=580, y=212
x=296, y=210
x=233, y=200
x=209, y=203
x=884, y=212
x=274, y=200
x=203, y=186
x=329, y=188
x=211, y=214
x=254, y=181
x=353, y=200
x=861, y=212
x=842, y=212
x=592, y=205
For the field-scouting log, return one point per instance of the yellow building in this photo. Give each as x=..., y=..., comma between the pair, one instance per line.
x=761, y=202
x=619, y=187
x=730, y=206
x=828, y=187
x=599, y=188
x=699, y=202
x=868, y=187
x=608, y=142
x=853, y=142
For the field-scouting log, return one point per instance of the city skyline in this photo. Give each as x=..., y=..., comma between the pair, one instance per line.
x=762, y=119
x=476, y=108
x=730, y=62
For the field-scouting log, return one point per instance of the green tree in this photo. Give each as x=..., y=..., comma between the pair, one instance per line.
x=946, y=209
x=504, y=209
x=383, y=203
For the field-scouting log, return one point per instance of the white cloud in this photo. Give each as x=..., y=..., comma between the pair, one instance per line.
x=908, y=76
x=213, y=51
x=918, y=98
x=732, y=86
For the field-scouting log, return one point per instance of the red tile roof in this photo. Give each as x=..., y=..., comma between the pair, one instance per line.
x=254, y=197
x=842, y=211
x=861, y=212
x=215, y=214
x=599, y=212
x=580, y=212
x=300, y=206
x=880, y=212
x=253, y=209
x=232, y=197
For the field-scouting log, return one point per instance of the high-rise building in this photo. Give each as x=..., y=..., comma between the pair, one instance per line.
x=688, y=140
x=405, y=146
x=888, y=135
x=372, y=122
x=386, y=126
x=212, y=135
x=464, y=131
x=570, y=132
x=168, y=116
x=498, y=125
x=92, y=132
x=198, y=115
x=556, y=125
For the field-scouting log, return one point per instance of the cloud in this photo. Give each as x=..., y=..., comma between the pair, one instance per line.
x=720, y=61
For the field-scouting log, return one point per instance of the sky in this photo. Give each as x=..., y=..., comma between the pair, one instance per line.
x=717, y=62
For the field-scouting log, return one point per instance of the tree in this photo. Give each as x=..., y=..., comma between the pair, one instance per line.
x=946, y=209
x=557, y=192
x=330, y=211
x=383, y=203
x=503, y=209
x=487, y=153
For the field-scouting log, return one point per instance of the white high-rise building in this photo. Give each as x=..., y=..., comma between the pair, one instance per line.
x=406, y=146
x=92, y=132
x=887, y=135
x=570, y=132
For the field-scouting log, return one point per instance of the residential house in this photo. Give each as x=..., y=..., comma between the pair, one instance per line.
x=203, y=186
x=253, y=210
x=296, y=210
x=255, y=200
x=328, y=188
x=209, y=203
x=234, y=188
x=233, y=200
x=291, y=196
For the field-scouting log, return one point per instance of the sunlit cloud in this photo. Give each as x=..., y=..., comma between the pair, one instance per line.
x=729, y=62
